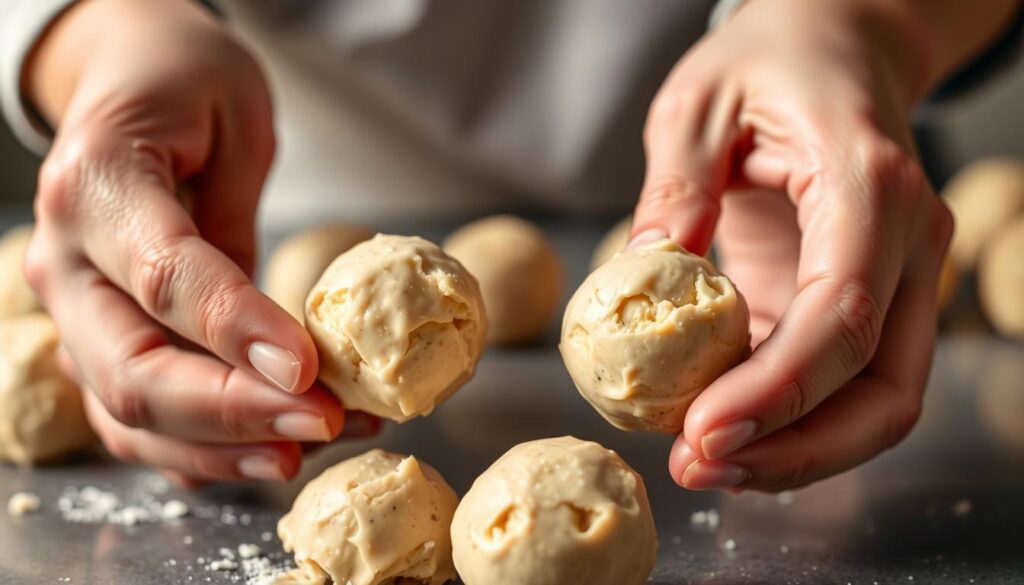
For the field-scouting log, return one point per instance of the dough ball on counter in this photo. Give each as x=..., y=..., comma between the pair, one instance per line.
x=520, y=273
x=41, y=413
x=298, y=262
x=373, y=519
x=612, y=243
x=552, y=512
x=1001, y=279
x=982, y=197
x=648, y=331
x=16, y=298
x=399, y=326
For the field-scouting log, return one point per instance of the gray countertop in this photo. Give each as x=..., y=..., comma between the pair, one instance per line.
x=945, y=506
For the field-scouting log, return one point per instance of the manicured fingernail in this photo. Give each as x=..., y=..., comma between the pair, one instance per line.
x=719, y=442
x=260, y=467
x=279, y=365
x=646, y=237
x=713, y=475
x=302, y=426
x=358, y=424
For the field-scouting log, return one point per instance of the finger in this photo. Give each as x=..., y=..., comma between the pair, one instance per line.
x=850, y=262
x=278, y=461
x=688, y=139
x=145, y=382
x=868, y=415
x=134, y=230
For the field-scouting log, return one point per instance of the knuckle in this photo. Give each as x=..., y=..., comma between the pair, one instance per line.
x=230, y=419
x=123, y=400
x=66, y=173
x=221, y=308
x=670, y=191
x=153, y=279
x=887, y=168
x=859, y=318
x=794, y=400
x=671, y=105
x=36, y=264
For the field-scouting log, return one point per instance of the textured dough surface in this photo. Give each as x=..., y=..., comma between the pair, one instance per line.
x=399, y=326
x=552, y=512
x=16, y=298
x=298, y=262
x=41, y=412
x=372, y=519
x=520, y=274
x=1001, y=279
x=648, y=331
x=984, y=196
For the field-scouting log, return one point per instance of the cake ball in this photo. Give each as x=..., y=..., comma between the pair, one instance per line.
x=399, y=326
x=16, y=298
x=1001, y=280
x=41, y=413
x=648, y=331
x=983, y=196
x=520, y=274
x=298, y=262
x=378, y=518
x=555, y=511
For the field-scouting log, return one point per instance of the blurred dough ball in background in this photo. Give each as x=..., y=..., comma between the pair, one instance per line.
x=983, y=196
x=41, y=413
x=298, y=262
x=375, y=519
x=949, y=282
x=1001, y=279
x=612, y=243
x=648, y=331
x=553, y=512
x=520, y=274
x=399, y=326
x=16, y=298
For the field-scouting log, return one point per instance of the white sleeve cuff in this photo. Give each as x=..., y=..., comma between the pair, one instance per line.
x=723, y=11
x=22, y=23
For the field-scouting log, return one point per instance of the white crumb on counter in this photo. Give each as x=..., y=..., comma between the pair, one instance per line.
x=248, y=551
x=23, y=503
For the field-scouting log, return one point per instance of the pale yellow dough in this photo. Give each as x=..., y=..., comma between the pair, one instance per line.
x=553, y=512
x=1001, y=279
x=370, y=520
x=648, y=331
x=298, y=262
x=399, y=326
x=612, y=243
x=983, y=196
x=520, y=274
x=41, y=413
x=16, y=298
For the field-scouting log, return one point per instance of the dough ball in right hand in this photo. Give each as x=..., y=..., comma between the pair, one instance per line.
x=520, y=274
x=648, y=331
x=16, y=298
x=983, y=196
x=1001, y=279
x=41, y=413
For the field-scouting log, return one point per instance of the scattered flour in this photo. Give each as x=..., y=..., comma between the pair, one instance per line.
x=705, y=519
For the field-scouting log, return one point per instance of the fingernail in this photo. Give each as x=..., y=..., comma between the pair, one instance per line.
x=646, y=237
x=359, y=424
x=302, y=426
x=260, y=467
x=718, y=443
x=713, y=475
x=279, y=365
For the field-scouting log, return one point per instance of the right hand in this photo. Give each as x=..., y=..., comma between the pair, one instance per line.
x=188, y=367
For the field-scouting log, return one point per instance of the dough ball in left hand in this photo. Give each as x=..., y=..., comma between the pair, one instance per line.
x=399, y=326
x=16, y=298
x=520, y=273
x=41, y=413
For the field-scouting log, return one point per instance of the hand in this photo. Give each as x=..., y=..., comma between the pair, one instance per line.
x=189, y=368
x=799, y=109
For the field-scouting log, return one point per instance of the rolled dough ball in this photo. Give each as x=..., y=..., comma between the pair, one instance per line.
x=1001, y=279
x=552, y=512
x=520, y=274
x=298, y=262
x=41, y=413
x=375, y=518
x=16, y=298
x=648, y=331
x=982, y=197
x=612, y=243
x=399, y=326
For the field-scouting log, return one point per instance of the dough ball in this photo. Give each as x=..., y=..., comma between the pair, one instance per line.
x=552, y=512
x=298, y=262
x=399, y=326
x=648, y=331
x=612, y=243
x=375, y=518
x=41, y=413
x=1001, y=279
x=949, y=282
x=520, y=274
x=16, y=298
x=982, y=197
